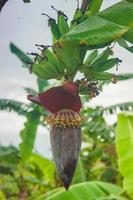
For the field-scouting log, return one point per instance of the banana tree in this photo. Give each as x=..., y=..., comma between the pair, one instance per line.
x=124, y=146
x=74, y=49
x=20, y=182
x=33, y=115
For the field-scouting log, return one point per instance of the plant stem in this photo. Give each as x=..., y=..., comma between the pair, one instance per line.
x=2, y=3
x=84, y=5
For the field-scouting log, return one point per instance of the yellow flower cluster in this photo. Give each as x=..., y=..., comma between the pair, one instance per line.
x=65, y=117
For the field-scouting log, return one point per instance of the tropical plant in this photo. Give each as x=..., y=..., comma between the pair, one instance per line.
x=99, y=149
x=89, y=30
x=124, y=146
x=31, y=179
x=33, y=116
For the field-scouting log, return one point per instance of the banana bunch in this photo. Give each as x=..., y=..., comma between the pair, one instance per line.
x=96, y=65
x=49, y=66
x=53, y=27
x=60, y=27
x=64, y=53
x=65, y=59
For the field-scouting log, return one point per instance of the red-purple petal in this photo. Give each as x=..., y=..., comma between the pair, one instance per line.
x=58, y=98
x=34, y=99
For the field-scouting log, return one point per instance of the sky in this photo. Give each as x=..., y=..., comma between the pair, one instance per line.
x=23, y=24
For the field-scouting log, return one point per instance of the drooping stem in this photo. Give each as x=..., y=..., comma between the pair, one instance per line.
x=84, y=5
x=2, y=3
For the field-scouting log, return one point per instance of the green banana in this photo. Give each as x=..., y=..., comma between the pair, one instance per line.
x=102, y=56
x=45, y=70
x=54, y=28
x=26, y=60
x=62, y=21
x=53, y=60
x=79, y=13
x=64, y=54
x=91, y=57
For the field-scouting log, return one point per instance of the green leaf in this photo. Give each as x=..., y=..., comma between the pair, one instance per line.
x=124, y=146
x=125, y=76
x=120, y=13
x=12, y=105
x=87, y=190
x=94, y=6
x=109, y=25
x=95, y=31
x=47, y=194
x=28, y=134
x=42, y=84
x=9, y=156
x=20, y=54
x=30, y=91
x=127, y=106
x=2, y=196
x=46, y=166
x=129, y=36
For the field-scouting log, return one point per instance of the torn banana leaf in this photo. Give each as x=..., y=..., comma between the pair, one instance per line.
x=20, y=54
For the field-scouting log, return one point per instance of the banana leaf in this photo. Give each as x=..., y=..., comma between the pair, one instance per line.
x=86, y=190
x=124, y=147
x=28, y=135
x=21, y=55
x=107, y=26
